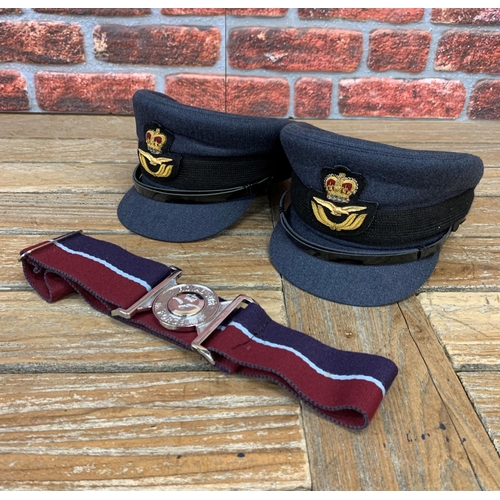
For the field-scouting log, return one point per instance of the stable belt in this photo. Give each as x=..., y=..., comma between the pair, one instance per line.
x=345, y=387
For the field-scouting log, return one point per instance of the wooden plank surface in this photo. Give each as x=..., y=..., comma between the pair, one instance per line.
x=101, y=405
x=414, y=131
x=417, y=439
x=66, y=177
x=70, y=336
x=468, y=325
x=468, y=264
x=229, y=261
x=487, y=402
x=79, y=126
x=150, y=430
x=92, y=212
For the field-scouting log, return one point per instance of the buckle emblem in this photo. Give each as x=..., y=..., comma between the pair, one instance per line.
x=184, y=308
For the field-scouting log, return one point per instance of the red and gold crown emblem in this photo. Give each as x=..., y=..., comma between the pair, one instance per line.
x=155, y=140
x=339, y=187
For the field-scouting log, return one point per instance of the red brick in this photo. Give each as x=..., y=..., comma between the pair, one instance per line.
x=257, y=96
x=41, y=42
x=4, y=12
x=466, y=16
x=484, y=103
x=257, y=12
x=13, y=94
x=203, y=91
x=313, y=97
x=427, y=98
x=193, y=12
x=293, y=49
x=89, y=92
x=157, y=44
x=403, y=50
x=97, y=12
x=389, y=15
x=469, y=51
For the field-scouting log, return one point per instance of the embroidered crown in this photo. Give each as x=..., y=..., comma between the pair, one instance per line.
x=339, y=187
x=155, y=140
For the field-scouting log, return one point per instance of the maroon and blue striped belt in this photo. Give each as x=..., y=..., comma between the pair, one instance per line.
x=235, y=336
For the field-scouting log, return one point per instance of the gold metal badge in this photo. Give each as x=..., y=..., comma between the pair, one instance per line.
x=352, y=222
x=339, y=187
x=165, y=165
x=155, y=140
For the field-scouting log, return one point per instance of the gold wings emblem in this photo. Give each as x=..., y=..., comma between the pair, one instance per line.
x=164, y=169
x=352, y=222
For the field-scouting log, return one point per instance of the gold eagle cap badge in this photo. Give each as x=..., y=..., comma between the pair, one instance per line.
x=156, y=139
x=347, y=213
x=350, y=223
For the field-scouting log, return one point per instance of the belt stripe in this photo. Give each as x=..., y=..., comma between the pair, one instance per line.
x=106, y=264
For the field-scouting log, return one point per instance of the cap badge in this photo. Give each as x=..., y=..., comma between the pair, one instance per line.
x=348, y=213
x=339, y=187
x=164, y=165
x=352, y=222
x=155, y=140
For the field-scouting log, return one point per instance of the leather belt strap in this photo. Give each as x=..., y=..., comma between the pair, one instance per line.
x=345, y=387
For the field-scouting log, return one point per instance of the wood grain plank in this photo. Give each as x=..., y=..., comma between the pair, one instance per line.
x=490, y=183
x=482, y=219
x=467, y=264
x=408, y=131
x=480, y=451
x=413, y=439
x=136, y=431
x=61, y=177
x=484, y=392
x=63, y=212
x=51, y=150
x=468, y=326
x=70, y=336
x=426, y=434
x=66, y=126
x=229, y=261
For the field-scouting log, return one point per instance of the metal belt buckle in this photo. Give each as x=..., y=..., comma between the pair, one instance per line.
x=185, y=307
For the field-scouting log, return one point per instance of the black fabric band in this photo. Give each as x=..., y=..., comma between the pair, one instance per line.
x=330, y=255
x=222, y=172
x=196, y=196
x=388, y=227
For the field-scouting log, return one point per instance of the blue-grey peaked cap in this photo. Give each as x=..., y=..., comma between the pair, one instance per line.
x=395, y=177
x=210, y=150
x=412, y=200
x=205, y=132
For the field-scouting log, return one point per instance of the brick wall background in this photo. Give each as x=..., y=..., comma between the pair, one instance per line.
x=305, y=63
